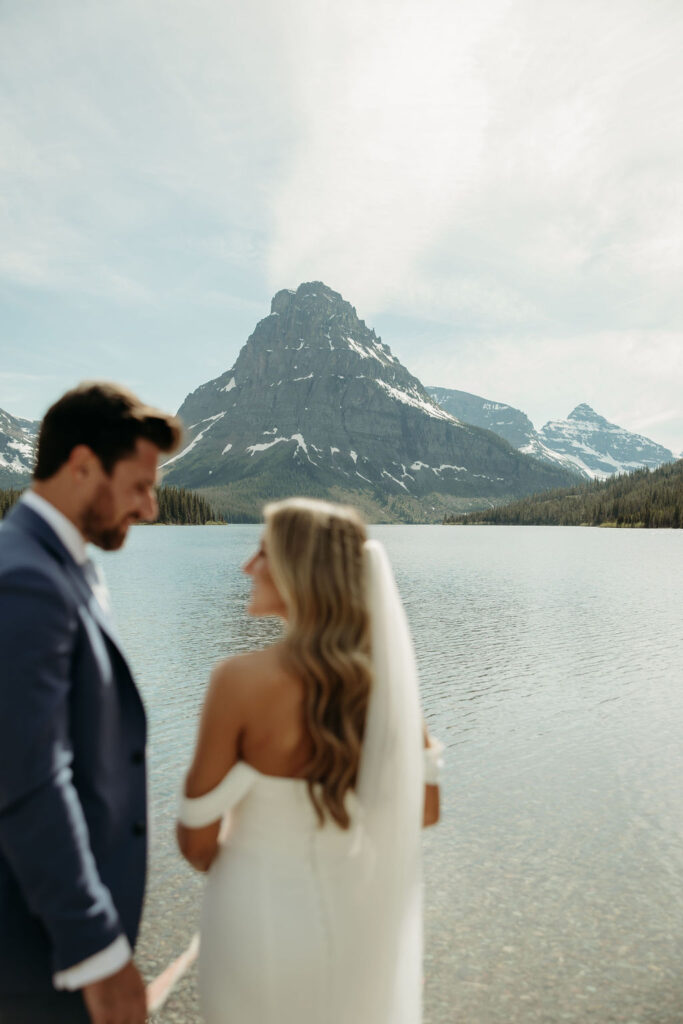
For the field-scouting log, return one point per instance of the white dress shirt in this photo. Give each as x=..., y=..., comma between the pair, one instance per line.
x=115, y=956
x=70, y=536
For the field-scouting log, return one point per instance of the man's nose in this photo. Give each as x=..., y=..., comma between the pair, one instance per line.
x=150, y=507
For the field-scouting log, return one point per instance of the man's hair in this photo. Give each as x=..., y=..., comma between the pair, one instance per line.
x=109, y=419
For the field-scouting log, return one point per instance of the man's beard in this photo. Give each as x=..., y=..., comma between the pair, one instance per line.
x=98, y=527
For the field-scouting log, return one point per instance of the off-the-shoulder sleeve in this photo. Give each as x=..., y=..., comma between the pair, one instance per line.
x=433, y=761
x=196, y=812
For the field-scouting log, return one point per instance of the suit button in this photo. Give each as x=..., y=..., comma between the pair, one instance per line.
x=138, y=756
x=139, y=828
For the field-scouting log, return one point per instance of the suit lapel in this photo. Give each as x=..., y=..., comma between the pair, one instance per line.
x=24, y=518
x=103, y=619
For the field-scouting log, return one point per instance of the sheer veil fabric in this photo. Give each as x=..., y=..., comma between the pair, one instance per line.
x=387, y=974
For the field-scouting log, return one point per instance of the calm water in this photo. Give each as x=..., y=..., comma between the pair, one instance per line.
x=550, y=666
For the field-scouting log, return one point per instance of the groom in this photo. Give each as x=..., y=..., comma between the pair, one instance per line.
x=72, y=726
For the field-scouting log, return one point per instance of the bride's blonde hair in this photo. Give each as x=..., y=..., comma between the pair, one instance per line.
x=315, y=555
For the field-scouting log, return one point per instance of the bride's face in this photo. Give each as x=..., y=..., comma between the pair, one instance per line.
x=265, y=598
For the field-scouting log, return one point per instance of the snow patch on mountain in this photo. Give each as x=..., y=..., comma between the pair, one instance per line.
x=14, y=465
x=300, y=443
x=211, y=420
x=253, y=448
x=396, y=481
x=414, y=399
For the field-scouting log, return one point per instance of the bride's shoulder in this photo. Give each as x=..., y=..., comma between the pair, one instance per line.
x=246, y=673
x=249, y=663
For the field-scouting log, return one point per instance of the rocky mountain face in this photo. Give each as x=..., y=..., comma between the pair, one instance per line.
x=17, y=447
x=599, y=448
x=585, y=442
x=316, y=403
x=504, y=420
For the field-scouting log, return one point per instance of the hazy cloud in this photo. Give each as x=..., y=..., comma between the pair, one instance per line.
x=499, y=183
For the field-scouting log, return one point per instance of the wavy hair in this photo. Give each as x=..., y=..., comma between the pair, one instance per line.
x=315, y=555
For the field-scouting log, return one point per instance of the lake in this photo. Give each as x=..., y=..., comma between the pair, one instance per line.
x=550, y=664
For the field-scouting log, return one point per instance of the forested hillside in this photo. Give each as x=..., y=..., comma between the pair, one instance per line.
x=644, y=498
x=177, y=506
x=7, y=499
x=180, y=506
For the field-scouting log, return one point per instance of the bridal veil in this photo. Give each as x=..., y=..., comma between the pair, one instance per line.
x=388, y=959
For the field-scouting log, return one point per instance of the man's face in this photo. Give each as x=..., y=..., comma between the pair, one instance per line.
x=123, y=498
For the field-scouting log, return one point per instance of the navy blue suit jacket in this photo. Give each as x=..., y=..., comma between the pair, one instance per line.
x=72, y=765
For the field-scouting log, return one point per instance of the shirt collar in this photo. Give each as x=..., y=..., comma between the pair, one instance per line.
x=70, y=536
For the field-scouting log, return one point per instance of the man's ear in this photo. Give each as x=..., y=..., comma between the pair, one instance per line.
x=83, y=464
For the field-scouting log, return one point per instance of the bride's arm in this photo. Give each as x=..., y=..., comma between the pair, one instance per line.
x=431, y=812
x=216, y=752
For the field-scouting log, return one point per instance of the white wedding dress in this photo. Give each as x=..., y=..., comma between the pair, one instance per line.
x=282, y=908
x=303, y=924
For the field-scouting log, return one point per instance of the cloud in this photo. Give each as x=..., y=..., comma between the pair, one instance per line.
x=388, y=93
x=510, y=170
x=502, y=176
x=126, y=125
x=503, y=165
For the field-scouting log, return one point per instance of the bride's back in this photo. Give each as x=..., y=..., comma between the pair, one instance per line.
x=275, y=739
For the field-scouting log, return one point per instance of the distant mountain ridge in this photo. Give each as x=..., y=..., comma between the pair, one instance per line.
x=585, y=442
x=317, y=403
x=508, y=422
x=18, y=439
x=600, y=448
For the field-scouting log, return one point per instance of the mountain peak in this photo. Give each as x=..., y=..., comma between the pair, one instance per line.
x=583, y=412
x=311, y=334
x=313, y=321
x=311, y=293
x=316, y=403
x=599, y=448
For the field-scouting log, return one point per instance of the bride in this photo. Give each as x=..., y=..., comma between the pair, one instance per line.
x=307, y=790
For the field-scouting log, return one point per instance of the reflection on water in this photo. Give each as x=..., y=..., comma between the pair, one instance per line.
x=550, y=665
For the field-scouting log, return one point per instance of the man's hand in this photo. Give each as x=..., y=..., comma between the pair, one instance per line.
x=118, y=999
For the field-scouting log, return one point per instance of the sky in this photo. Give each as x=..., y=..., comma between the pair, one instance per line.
x=496, y=187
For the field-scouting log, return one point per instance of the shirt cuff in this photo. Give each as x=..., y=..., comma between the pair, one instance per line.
x=95, y=968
